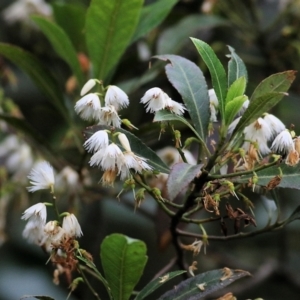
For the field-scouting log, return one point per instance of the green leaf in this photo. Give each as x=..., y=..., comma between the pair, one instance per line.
x=201, y=285
x=180, y=177
x=189, y=81
x=110, y=25
x=257, y=107
x=279, y=82
x=156, y=283
x=123, y=261
x=36, y=71
x=37, y=297
x=71, y=18
x=152, y=15
x=236, y=89
x=290, y=176
x=61, y=44
x=217, y=72
x=137, y=146
x=236, y=67
x=174, y=38
x=233, y=107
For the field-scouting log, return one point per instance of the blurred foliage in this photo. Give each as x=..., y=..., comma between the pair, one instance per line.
x=264, y=33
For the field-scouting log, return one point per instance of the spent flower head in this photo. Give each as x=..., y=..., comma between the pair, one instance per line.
x=41, y=177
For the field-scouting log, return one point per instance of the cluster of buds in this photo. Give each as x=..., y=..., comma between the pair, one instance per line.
x=113, y=160
x=57, y=238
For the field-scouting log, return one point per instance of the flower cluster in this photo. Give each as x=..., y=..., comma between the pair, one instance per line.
x=111, y=159
x=156, y=99
x=265, y=136
x=89, y=107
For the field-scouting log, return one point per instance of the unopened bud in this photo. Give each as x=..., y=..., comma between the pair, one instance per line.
x=128, y=124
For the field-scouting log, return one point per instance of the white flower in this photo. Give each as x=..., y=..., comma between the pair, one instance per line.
x=116, y=97
x=124, y=141
x=88, y=107
x=174, y=107
x=97, y=141
x=68, y=179
x=109, y=116
x=213, y=105
x=21, y=10
x=41, y=177
x=232, y=126
x=244, y=107
x=34, y=230
x=37, y=212
x=154, y=99
x=71, y=226
x=275, y=124
x=88, y=86
x=108, y=158
x=258, y=132
x=283, y=142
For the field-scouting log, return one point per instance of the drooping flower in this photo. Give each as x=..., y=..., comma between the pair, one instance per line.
x=213, y=105
x=34, y=230
x=41, y=177
x=97, y=141
x=88, y=107
x=88, y=86
x=174, y=107
x=38, y=210
x=283, y=143
x=116, y=97
x=109, y=116
x=274, y=123
x=71, y=226
x=108, y=158
x=154, y=100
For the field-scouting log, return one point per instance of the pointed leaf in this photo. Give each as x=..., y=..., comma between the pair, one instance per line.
x=290, y=176
x=189, y=81
x=174, y=38
x=123, y=261
x=257, y=107
x=233, y=107
x=110, y=25
x=156, y=283
x=201, y=285
x=279, y=82
x=152, y=15
x=236, y=67
x=73, y=24
x=236, y=89
x=36, y=71
x=61, y=44
x=180, y=177
x=217, y=72
x=137, y=146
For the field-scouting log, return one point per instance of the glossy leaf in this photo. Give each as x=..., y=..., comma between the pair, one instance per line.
x=190, y=83
x=152, y=15
x=217, y=72
x=137, y=146
x=236, y=89
x=37, y=72
x=110, y=25
x=233, y=107
x=123, y=261
x=71, y=18
x=257, y=107
x=61, y=44
x=290, y=176
x=174, y=38
x=236, y=67
x=201, y=285
x=279, y=82
x=156, y=283
x=180, y=177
